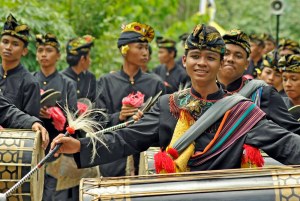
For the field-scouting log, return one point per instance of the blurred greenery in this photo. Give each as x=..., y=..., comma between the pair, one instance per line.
x=169, y=18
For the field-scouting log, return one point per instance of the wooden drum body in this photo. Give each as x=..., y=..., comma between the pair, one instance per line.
x=266, y=184
x=20, y=151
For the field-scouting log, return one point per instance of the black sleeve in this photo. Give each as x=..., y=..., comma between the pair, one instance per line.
x=277, y=142
x=124, y=142
x=12, y=117
x=72, y=96
x=276, y=110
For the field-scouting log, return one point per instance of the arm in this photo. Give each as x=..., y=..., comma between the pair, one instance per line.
x=277, y=142
x=133, y=139
x=31, y=98
x=273, y=105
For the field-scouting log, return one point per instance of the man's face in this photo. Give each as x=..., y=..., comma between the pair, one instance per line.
x=291, y=84
x=235, y=63
x=47, y=56
x=165, y=56
x=256, y=50
x=285, y=52
x=137, y=54
x=202, y=66
x=269, y=46
x=271, y=77
x=12, y=48
x=86, y=61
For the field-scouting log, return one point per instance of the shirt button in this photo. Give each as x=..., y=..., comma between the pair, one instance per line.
x=44, y=83
x=78, y=91
x=78, y=79
x=4, y=76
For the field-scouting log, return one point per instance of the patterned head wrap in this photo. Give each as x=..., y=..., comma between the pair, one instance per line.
x=290, y=45
x=268, y=37
x=289, y=63
x=205, y=37
x=165, y=43
x=47, y=39
x=79, y=45
x=135, y=32
x=257, y=39
x=12, y=28
x=271, y=60
x=238, y=37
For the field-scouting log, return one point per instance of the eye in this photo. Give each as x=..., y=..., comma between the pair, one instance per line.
x=211, y=58
x=195, y=56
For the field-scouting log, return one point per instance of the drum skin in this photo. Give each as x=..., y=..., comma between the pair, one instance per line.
x=20, y=151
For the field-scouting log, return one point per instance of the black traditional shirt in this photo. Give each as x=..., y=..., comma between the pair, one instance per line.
x=157, y=126
x=85, y=83
x=115, y=86
x=21, y=89
x=60, y=83
x=173, y=78
x=12, y=117
x=272, y=104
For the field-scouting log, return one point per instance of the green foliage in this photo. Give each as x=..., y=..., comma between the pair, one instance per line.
x=169, y=18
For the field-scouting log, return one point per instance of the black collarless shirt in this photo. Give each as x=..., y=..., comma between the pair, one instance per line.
x=174, y=77
x=85, y=83
x=113, y=87
x=20, y=88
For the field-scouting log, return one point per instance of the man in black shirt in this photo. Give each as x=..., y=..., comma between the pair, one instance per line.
x=16, y=83
x=78, y=57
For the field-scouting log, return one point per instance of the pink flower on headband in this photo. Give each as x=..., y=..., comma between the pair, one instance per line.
x=135, y=100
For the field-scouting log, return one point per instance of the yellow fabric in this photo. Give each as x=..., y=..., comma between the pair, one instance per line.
x=184, y=123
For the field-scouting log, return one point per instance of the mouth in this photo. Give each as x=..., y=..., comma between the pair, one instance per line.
x=228, y=66
x=6, y=54
x=200, y=71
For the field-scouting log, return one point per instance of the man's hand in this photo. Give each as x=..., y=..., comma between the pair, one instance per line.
x=45, y=136
x=44, y=114
x=69, y=145
x=127, y=111
x=138, y=115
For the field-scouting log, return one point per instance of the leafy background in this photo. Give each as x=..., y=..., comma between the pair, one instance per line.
x=169, y=18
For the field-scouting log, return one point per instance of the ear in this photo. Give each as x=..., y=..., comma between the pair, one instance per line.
x=25, y=51
x=184, y=61
x=247, y=64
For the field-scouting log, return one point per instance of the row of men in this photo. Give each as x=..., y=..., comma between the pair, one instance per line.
x=112, y=88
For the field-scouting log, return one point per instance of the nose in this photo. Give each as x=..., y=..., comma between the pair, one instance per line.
x=201, y=61
x=228, y=58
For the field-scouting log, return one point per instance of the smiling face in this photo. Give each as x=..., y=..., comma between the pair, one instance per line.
x=271, y=77
x=291, y=85
x=47, y=56
x=235, y=63
x=12, y=49
x=202, y=66
x=137, y=54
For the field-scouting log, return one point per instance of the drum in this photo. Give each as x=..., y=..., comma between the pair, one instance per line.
x=147, y=161
x=265, y=184
x=20, y=150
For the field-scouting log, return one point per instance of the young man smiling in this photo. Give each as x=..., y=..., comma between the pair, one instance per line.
x=231, y=77
x=174, y=115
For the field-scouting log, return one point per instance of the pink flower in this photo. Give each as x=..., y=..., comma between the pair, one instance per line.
x=135, y=100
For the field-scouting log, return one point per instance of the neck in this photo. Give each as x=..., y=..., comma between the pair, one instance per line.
x=206, y=89
x=256, y=59
x=48, y=71
x=77, y=69
x=9, y=65
x=130, y=69
x=170, y=65
x=296, y=101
